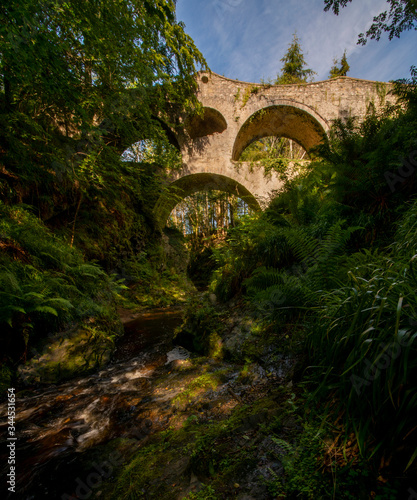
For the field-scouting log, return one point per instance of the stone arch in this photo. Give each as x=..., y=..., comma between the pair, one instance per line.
x=190, y=184
x=121, y=143
x=209, y=123
x=286, y=119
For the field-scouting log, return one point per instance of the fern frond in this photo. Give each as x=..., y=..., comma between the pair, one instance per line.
x=261, y=279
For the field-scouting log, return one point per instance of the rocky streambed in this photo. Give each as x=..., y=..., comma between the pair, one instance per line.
x=158, y=422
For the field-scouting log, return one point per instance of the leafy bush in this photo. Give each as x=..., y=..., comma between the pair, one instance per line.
x=44, y=283
x=200, y=329
x=253, y=243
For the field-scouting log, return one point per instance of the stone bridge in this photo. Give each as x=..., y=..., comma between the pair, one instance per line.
x=237, y=113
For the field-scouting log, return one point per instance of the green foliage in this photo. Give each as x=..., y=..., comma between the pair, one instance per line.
x=277, y=154
x=280, y=300
x=364, y=343
x=86, y=346
x=303, y=478
x=207, y=493
x=254, y=241
x=293, y=70
x=155, y=151
x=405, y=241
x=116, y=67
x=343, y=70
x=256, y=247
x=62, y=122
x=405, y=90
x=249, y=91
x=6, y=377
x=279, y=293
x=273, y=147
x=207, y=215
x=200, y=328
x=80, y=83
x=304, y=203
x=352, y=170
x=402, y=16
x=323, y=258
x=153, y=280
x=140, y=472
x=44, y=283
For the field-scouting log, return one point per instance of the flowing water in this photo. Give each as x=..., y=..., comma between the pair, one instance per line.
x=57, y=425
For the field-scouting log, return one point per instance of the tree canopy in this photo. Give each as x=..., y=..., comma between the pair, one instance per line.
x=294, y=70
x=402, y=16
x=77, y=75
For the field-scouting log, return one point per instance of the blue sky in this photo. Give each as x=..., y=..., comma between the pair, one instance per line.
x=245, y=39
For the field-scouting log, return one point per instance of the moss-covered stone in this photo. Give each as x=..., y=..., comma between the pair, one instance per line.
x=70, y=354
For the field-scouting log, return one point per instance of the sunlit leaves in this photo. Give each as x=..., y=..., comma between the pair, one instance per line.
x=80, y=77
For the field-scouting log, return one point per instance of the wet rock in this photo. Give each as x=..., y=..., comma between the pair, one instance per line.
x=79, y=428
x=137, y=433
x=63, y=357
x=177, y=354
x=232, y=376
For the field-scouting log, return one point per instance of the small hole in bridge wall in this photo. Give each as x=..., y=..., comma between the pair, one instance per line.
x=204, y=79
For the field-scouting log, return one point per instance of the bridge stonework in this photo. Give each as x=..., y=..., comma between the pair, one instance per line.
x=237, y=113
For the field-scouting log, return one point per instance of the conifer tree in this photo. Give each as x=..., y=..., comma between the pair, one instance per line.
x=341, y=70
x=294, y=70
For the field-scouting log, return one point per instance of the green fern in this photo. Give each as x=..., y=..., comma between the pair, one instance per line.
x=261, y=279
x=322, y=259
x=44, y=283
x=277, y=293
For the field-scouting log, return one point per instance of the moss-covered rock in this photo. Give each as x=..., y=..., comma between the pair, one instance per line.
x=71, y=353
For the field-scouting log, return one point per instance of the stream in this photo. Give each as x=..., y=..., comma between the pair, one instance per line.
x=55, y=426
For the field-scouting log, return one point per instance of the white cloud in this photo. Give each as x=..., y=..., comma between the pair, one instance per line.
x=246, y=39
